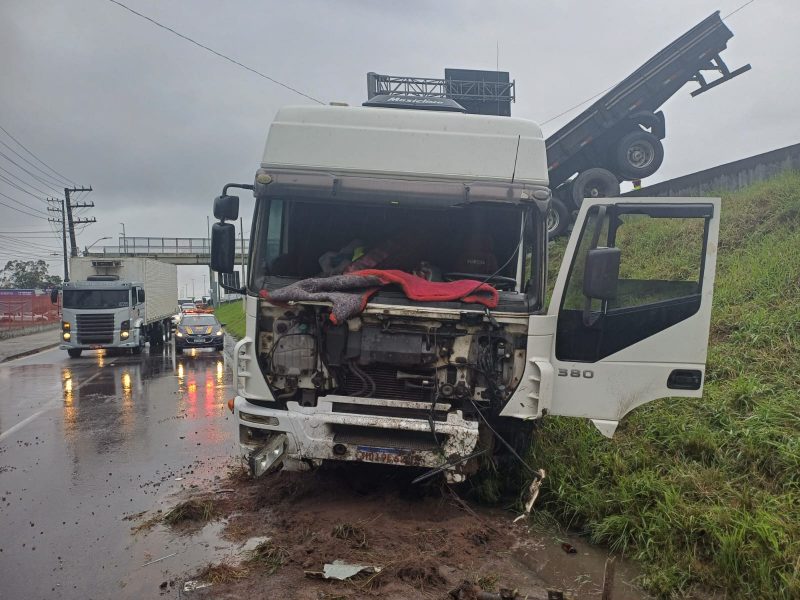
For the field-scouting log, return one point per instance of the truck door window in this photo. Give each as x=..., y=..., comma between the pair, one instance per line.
x=662, y=252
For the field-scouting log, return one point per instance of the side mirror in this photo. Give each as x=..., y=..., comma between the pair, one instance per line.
x=601, y=275
x=141, y=295
x=222, y=324
x=223, y=245
x=54, y=296
x=226, y=208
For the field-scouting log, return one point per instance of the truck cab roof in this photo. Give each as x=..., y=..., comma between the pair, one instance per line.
x=406, y=144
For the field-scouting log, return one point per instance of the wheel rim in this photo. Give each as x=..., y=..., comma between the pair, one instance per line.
x=641, y=154
x=596, y=189
x=553, y=219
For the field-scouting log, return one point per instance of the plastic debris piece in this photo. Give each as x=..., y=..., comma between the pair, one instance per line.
x=533, y=494
x=195, y=584
x=341, y=570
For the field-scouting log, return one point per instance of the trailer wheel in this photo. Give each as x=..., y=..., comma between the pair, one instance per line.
x=639, y=155
x=594, y=183
x=557, y=218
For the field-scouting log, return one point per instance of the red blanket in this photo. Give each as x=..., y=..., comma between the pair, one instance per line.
x=350, y=293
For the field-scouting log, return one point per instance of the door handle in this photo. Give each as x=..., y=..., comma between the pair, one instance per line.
x=685, y=379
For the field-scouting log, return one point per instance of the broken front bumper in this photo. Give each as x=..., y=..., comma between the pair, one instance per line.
x=347, y=428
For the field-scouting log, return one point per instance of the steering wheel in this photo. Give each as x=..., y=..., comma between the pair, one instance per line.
x=499, y=281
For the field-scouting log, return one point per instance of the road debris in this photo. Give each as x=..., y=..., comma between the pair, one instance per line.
x=195, y=584
x=342, y=571
x=159, y=559
x=533, y=494
x=569, y=548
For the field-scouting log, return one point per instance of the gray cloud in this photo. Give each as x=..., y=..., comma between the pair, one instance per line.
x=157, y=125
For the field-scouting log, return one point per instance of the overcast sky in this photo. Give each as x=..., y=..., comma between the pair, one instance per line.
x=157, y=125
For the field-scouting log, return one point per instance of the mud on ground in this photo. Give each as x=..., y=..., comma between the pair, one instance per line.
x=425, y=540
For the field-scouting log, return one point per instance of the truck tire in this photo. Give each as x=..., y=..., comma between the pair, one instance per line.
x=594, y=183
x=74, y=352
x=638, y=155
x=137, y=350
x=558, y=218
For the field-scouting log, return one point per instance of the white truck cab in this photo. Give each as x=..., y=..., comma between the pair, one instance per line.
x=450, y=197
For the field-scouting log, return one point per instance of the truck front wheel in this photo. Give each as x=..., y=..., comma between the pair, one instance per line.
x=594, y=183
x=74, y=352
x=557, y=218
x=639, y=154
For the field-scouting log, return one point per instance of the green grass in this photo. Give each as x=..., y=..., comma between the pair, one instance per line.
x=706, y=493
x=232, y=314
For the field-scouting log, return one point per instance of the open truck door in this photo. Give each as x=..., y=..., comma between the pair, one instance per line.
x=632, y=304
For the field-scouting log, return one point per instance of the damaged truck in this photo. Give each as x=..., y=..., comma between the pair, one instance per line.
x=397, y=298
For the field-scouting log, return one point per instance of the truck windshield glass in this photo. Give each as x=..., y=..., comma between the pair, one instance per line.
x=298, y=239
x=96, y=299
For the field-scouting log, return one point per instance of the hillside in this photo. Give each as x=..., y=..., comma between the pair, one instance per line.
x=706, y=493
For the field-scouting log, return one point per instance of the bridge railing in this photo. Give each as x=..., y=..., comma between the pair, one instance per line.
x=150, y=246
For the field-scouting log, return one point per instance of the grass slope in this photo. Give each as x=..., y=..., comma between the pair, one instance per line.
x=705, y=493
x=232, y=314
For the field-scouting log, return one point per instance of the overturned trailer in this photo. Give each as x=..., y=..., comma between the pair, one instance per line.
x=617, y=138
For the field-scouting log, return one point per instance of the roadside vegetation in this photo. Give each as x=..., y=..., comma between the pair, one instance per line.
x=232, y=315
x=705, y=493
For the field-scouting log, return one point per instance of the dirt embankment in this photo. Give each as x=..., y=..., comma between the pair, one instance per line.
x=424, y=541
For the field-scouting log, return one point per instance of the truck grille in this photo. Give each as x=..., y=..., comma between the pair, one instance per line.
x=95, y=329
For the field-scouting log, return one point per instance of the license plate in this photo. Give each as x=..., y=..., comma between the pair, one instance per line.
x=383, y=455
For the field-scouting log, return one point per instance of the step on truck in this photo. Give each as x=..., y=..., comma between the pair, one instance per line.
x=117, y=303
x=435, y=382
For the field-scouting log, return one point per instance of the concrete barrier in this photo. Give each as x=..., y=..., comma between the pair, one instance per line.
x=728, y=177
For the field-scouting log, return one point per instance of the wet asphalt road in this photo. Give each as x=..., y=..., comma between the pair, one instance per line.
x=86, y=442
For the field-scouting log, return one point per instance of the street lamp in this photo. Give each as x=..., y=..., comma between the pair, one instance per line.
x=124, y=239
x=86, y=248
x=193, y=288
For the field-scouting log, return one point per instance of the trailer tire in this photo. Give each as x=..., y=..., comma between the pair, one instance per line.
x=594, y=183
x=639, y=154
x=558, y=218
x=74, y=352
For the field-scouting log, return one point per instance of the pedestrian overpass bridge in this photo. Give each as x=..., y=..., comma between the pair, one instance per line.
x=177, y=251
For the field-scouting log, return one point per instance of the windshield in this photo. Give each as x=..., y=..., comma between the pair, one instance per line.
x=199, y=320
x=96, y=299
x=301, y=238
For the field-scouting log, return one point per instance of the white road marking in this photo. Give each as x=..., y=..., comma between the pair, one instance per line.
x=49, y=406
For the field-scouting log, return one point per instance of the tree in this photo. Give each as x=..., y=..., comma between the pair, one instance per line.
x=27, y=274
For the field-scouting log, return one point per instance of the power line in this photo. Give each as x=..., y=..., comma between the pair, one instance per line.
x=28, y=206
x=29, y=163
x=738, y=9
x=21, y=211
x=39, y=160
x=16, y=186
x=219, y=54
x=36, y=177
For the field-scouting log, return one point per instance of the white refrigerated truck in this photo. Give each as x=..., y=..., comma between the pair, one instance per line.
x=433, y=383
x=117, y=303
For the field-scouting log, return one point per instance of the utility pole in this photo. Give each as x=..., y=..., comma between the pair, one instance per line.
x=70, y=221
x=62, y=220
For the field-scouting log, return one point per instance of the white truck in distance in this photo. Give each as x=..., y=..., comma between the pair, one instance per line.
x=433, y=383
x=117, y=303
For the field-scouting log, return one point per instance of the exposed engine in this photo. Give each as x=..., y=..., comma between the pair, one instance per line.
x=466, y=362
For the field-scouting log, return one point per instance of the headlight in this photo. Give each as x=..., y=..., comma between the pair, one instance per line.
x=178, y=334
x=65, y=325
x=67, y=335
x=124, y=335
x=125, y=325
x=219, y=332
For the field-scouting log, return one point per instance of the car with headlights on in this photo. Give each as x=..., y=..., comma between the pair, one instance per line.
x=198, y=331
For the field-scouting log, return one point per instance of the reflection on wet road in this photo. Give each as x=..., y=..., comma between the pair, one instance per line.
x=85, y=442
